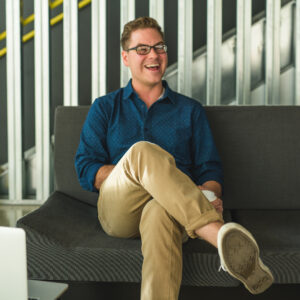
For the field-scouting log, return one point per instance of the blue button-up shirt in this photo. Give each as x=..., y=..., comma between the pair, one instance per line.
x=175, y=122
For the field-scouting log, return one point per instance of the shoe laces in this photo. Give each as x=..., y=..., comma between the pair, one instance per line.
x=222, y=268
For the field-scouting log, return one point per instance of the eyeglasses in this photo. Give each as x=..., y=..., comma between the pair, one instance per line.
x=145, y=49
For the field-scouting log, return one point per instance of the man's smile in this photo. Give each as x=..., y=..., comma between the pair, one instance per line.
x=153, y=67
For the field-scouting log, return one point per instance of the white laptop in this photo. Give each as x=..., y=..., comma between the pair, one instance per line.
x=13, y=270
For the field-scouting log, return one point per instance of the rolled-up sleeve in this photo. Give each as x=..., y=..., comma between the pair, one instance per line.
x=206, y=161
x=92, y=151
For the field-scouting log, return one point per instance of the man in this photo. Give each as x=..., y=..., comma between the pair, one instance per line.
x=150, y=153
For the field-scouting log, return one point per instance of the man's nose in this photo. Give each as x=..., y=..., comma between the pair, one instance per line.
x=152, y=52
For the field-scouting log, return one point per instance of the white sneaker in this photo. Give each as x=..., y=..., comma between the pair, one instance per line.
x=239, y=254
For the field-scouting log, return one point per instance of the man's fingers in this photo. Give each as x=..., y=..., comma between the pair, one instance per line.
x=218, y=205
x=218, y=201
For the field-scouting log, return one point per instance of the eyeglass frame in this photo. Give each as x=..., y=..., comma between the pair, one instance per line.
x=165, y=47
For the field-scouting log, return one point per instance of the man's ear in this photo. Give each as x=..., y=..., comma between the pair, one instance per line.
x=125, y=58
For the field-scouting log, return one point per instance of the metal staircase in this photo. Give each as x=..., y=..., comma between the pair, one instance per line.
x=228, y=54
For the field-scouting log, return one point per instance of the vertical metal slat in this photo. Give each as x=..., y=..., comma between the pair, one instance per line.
x=70, y=26
x=243, y=53
x=42, y=99
x=185, y=46
x=14, y=104
x=297, y=54
x=98, y=48
x=214, y=43
x=156, y=11
x=127, y=14
x=272, y=53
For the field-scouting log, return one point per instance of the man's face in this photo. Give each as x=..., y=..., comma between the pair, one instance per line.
x=146, y=70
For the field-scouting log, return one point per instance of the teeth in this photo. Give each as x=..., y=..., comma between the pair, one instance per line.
x=152, y=66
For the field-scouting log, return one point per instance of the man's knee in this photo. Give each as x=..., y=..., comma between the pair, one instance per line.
x=148, y=148
x=143, y=146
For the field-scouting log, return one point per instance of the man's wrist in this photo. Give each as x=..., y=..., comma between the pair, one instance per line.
x=213, y=186
x=102, y=174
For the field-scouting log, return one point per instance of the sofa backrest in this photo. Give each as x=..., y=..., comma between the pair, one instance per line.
x=259, y=148
x=260, y=151
x=68, y=124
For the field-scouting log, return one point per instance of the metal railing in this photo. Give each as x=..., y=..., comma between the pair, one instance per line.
x=243, y=64
x=184, y=83
x=14, y=104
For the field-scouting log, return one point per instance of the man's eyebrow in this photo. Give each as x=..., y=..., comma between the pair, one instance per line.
x=141, y=45
x=159, y=43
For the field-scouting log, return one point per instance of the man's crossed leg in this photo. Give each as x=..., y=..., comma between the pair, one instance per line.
x=147, y=195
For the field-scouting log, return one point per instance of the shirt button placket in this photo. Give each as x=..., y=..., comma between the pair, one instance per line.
x=146, y=128
x=145, y=122
x=146, y=131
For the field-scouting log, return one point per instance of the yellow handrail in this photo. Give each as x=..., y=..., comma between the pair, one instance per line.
x=83, y=3
x=3, y=51
x=28, y=20
x=55, y=3
x=56, y=19
x=3, y=35
x=28, y=36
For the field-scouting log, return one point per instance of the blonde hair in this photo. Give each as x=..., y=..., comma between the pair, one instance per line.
x=139, y=23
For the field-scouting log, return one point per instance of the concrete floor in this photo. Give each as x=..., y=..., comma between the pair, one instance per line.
x=9, y=214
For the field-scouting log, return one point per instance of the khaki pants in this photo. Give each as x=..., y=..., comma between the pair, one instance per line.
x=146, y=195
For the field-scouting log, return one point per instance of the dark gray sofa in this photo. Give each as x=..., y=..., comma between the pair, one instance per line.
x=260, y=151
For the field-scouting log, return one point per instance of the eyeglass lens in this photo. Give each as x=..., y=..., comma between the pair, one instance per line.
x=146, y=49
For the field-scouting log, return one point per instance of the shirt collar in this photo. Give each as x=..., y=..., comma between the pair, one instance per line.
x=129, y=91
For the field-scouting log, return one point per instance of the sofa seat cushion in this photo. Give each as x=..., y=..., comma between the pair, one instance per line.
x=66, y=242
x=278, y=235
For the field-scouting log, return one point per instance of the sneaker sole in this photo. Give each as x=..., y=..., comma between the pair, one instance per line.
x=239, y=254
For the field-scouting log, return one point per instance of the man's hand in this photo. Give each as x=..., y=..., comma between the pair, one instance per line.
x=102, y=174
x=218, y=203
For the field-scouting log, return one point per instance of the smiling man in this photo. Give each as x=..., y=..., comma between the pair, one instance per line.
x=150, y=153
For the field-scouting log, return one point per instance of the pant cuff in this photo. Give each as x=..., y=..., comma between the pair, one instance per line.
x=208, y=217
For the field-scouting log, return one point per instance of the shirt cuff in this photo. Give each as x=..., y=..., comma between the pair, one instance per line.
x=90, y=176
x=209, y=177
